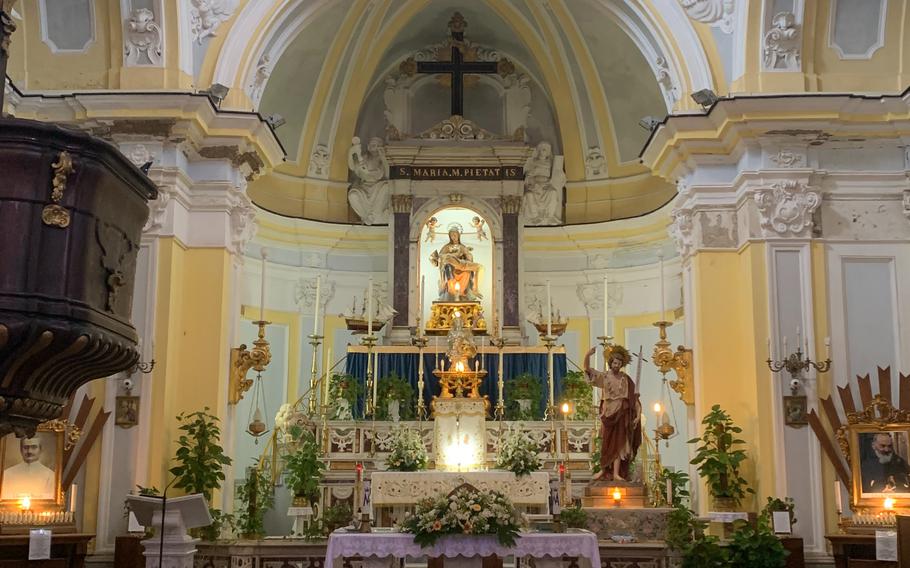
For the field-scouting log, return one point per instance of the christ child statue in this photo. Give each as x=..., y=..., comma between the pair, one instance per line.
x=620, y=414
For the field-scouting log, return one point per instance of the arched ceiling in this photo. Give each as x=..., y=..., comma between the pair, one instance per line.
x=593, y=67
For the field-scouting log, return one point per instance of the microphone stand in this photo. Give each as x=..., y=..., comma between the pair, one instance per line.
x=163, y=512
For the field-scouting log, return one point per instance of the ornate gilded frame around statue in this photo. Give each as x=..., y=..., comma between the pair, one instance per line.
x=879, y=416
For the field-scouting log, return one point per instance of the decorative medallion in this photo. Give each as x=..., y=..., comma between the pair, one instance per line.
x=55, y=215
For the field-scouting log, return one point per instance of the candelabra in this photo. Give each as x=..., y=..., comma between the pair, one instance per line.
x=420, y=342
x=144, y=367
x=679, y=361
x=500, y=411
x=550, y=342
x=315, y=341
x=242, y=360
x=370, y=399
x=796, y=365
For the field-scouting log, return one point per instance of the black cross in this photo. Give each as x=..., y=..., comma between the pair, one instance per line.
x=457, y=68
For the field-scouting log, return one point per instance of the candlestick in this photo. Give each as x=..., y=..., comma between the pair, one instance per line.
x=436, y=350
x=483, y=341
x=316, y=306
x=370, y=307
x=265, y=256
x=327, y=379
x=661, y=269
x=837, y=497
x=549, y=312
x=606, y=302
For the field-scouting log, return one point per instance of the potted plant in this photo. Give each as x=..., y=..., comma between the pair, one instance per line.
x=686, y=540
x=406, y=451
x=578, y=392
x=775, y=504
x=256, y=496
x=344, y=390
x=719, y=458
x=336, y=516
x=756, y=547
x=679, y=485
x=574, y=517
x=523, y=394
x=303, y=469
x=200, y=463
x=396, y=398
x=518, y=454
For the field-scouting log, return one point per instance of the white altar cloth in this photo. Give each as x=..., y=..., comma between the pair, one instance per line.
x=393, y=545
x=391, y=488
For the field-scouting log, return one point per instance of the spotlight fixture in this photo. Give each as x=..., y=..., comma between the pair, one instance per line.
x=649, y=122
x=275, y=120
x=217, y=92
x=705, y=97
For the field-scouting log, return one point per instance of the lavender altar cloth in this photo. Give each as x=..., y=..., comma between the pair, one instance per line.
x=393, y=545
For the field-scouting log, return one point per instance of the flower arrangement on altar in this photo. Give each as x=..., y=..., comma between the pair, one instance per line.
x=290, y=422
x=518, y=453
x=406, y=451
x=466, y=510
x=344, y=391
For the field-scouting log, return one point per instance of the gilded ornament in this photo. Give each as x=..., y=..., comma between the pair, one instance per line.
x=53, y=214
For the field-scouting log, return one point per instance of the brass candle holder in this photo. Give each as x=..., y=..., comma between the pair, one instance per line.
x=312, y=406
x=679, y=361
x=500, y=411
x=242, y=360
x=420, y=341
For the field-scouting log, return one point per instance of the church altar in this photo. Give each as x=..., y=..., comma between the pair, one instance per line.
x=545, y=549
x=392, y=488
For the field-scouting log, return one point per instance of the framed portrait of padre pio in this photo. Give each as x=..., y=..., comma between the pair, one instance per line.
x=879, y=457
x=31, y=467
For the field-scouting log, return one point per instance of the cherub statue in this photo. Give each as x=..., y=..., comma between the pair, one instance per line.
x=143, y=35
x=478, y=223
x=431, y=224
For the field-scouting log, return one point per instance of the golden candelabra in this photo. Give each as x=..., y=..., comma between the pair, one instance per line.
x=679, y=361
x=550, y=342
x=369, y=407
x=500, y=412
x=420, y=341
x=315, y=341
x=242, y=360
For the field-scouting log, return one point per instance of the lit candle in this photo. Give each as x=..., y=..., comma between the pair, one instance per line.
x=837, y=496
x=606, y=305
x=889, y=503
x=565, y=424
x=549, y=312
x=661, y=269
x=617, y=496
x=265, y=256
x=370, y=306
x=316, y=306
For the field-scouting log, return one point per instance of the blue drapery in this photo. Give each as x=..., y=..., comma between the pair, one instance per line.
x=405, y=366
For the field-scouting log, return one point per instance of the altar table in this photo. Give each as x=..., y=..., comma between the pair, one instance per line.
x=384, y=548
x=395, y=488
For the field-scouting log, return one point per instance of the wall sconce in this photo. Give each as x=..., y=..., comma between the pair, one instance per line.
x=242, y=360
x=795, y=364
x=679, y=361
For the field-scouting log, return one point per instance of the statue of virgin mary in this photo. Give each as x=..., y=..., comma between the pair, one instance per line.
x=459, y=275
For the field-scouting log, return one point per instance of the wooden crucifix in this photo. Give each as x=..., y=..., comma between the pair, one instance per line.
x=457, y=67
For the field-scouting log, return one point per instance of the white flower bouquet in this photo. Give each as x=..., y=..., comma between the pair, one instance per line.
x=464, y=511
x=518, y=454
x=407, y=452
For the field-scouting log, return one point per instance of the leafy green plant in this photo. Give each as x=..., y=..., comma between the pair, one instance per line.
x=257, y=496
x=686, y=535
x=679, y=528
x=220, y=522
x=344, y=386
x=523, y=387
x=775, y=504
x=392, y=388
x=200, y=457
x=336, y=516
x=304, y=468
x=756, y=547
x=574, y=517
x=679, y=484
x=719, y=459
x=706, y=552
x=578, y=392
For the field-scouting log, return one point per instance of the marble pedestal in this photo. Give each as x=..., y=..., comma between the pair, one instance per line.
x=460, y=433
x=179, y=548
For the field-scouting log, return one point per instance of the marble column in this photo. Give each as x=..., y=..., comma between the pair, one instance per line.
x=511, y=204
x=401, y=222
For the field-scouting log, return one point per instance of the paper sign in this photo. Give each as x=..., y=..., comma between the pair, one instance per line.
x=886, y=545
x=39, y=544
x=781, y=521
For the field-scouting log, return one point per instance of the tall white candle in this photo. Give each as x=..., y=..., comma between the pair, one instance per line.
x=827, y=348
x=661, y=269
x=316, y=306
x=370, y=306
x=606, y=302
x=483, y=340
x=375, y=378
x=785, y=347
x=265, y=256
x=799, y=337
x=499, y=324
x=328, y=376
x=423, y=287
x=837, y=496
x=549, y=312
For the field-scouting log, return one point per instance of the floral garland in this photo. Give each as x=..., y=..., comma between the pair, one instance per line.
x=407, y=452
x=518, y=454
x=464, y=511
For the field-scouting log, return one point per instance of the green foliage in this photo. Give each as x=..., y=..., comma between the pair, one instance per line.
x=775, y=504
x=346, y=387
x=574, y=517
x=578, y=392
x=595, y=453
x=679, y=480
x=220, y=522
x=200, y=457
x=706, y=552
x=148, y=491
x=336, y=516
x=304, y=468
x=680, y=528
x=391, y=388
x=686, y=535
x=523, y=387
x=257, y=496
x=718, y=458
x=756, y=547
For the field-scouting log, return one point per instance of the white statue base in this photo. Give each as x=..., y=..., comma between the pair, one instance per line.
x=460, y=432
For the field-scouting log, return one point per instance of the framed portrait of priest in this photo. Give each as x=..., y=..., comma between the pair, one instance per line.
x=879, y=459
x=31, y=468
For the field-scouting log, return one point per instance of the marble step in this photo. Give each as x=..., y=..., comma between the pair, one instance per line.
x=606, y=490
x=606, y=502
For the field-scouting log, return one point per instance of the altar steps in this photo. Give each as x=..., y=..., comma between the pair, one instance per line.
x=599, y=495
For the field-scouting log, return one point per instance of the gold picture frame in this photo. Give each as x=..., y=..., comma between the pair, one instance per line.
x=21, y=478
x=126, y=413
x=796, y=410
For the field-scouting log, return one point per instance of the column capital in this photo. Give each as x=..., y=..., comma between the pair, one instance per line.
x=402, y=203
x=510, y=204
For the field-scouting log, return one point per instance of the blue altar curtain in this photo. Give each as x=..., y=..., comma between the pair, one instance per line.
x=406, y=364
